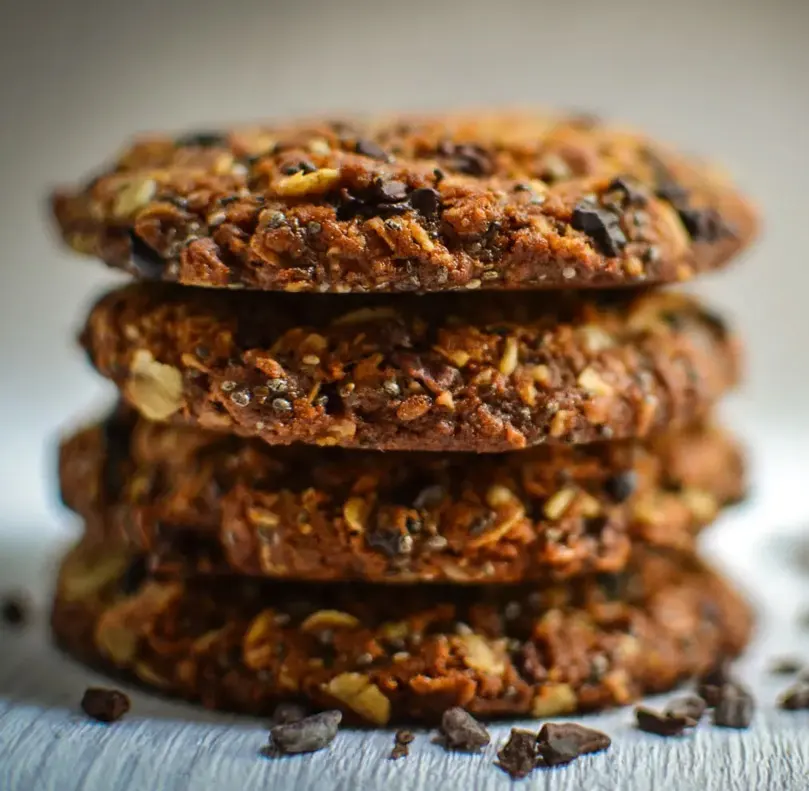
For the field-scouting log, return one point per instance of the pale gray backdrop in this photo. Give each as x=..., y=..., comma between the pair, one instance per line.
x=725, y=78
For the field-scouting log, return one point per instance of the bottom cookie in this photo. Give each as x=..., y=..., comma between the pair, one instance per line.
x=383, y=654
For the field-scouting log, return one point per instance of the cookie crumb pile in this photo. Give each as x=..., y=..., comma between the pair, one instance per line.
x=409, y=429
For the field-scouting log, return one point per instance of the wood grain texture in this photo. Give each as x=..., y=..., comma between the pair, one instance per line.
x=48, y=745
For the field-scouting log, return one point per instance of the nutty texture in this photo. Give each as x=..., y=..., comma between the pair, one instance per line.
x=466, y=372
x=200, y=501
x=493, y=201
x=382, y=655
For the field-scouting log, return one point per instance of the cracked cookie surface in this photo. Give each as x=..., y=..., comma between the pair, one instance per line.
x=493, y=201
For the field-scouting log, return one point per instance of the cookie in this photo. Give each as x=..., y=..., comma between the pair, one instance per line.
x=384, y=655
x=199, y=501
x=467, y=372
x=492, y=201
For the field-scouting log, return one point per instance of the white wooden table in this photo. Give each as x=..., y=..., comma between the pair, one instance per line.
x=47, y=745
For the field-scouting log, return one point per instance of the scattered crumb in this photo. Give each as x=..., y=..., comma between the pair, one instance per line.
x=105, y=705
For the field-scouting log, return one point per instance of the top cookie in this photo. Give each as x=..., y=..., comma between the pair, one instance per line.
x=496, y=201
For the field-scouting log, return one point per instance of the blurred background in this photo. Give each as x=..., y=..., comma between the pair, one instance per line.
x=723, y=78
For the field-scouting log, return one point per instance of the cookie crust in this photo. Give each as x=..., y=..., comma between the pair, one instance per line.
x=489, y=201
x=201, y=502
x=382, y=656
x=482, y=373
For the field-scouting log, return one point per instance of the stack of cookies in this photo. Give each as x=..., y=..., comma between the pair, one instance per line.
x=402, y=424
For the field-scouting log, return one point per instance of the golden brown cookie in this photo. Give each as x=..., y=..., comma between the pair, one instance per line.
x=199, y=501
x=386, y=654
x=469, y=372
x=492, y=200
